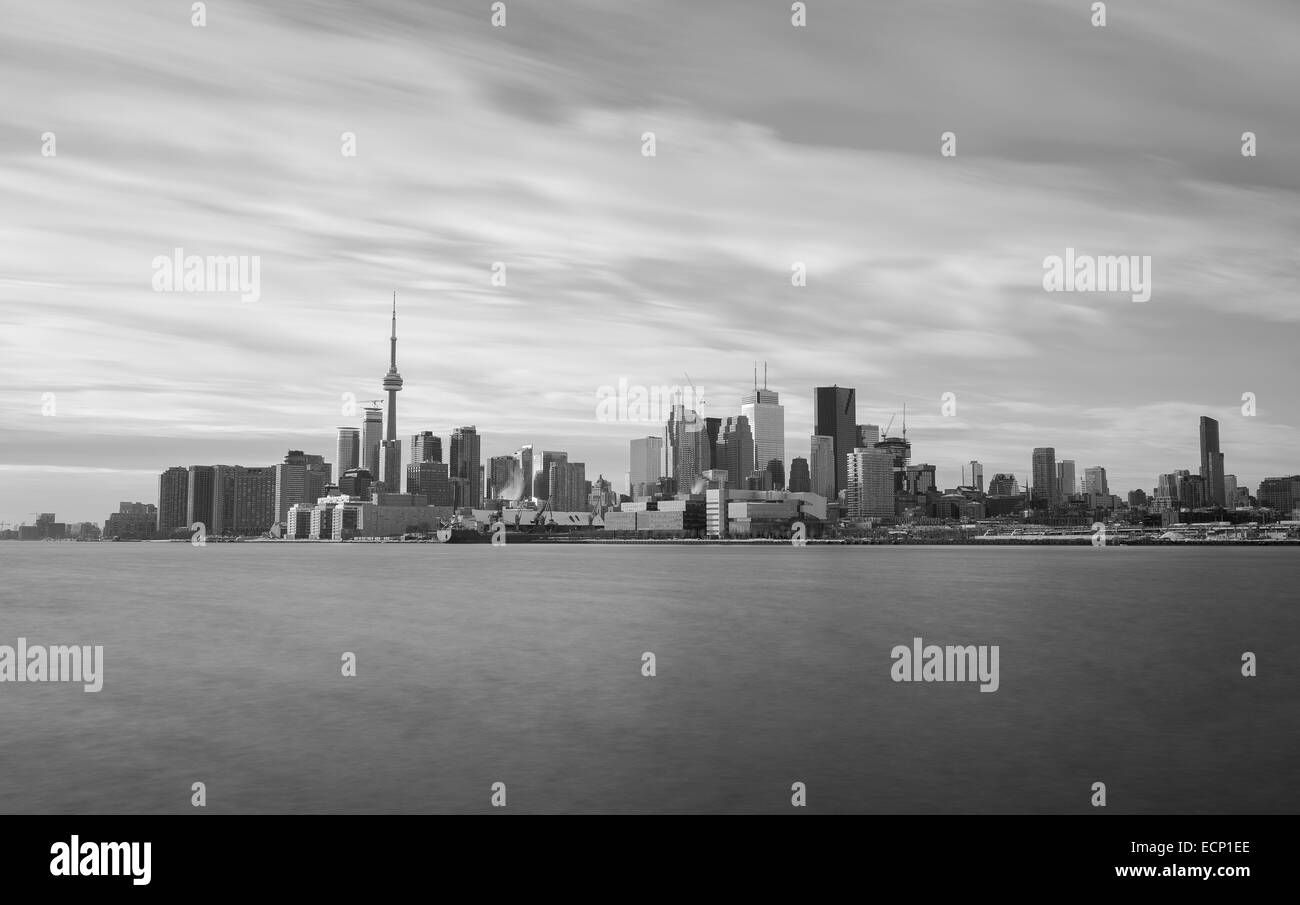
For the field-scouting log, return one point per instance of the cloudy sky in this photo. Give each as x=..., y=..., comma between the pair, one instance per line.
x=477, y=144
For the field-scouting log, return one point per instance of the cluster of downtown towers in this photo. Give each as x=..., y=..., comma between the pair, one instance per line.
x=852, y=464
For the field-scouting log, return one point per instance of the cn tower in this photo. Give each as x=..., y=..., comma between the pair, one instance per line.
x=392, y=380
x=392, y=447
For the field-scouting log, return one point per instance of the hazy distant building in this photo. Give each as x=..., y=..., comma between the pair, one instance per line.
x=1137, y=499
x=524, y=458
x=542, y=463
x=800, y=477
x=173, y=499
x=688, y=443
x=1004, y=485
x=646, y=461
x=1230, y=490
x=821, y=456
x=1094, y=481
x=1212, y=460
x=348, y=453
x=132, y=521
x=835, y=415
x=976, y=476
x=1043, y=488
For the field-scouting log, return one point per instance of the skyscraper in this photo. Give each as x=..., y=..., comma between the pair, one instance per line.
x=1094, y=481
x=372, y=438
x=542, y=470
x=1044, y=474
x=835, y=415
x=869, y=484
x=198, y=498
x=1065, y=480
x=426, y=447
x=822, y=465
x=173, y=499
x=300, y=479
x=976, y=476
x=766, y=422
x=1212, y=460
x=392, y=447
x=254, y=498
x=688, y=442
x=1230, y=490
x=348, y=454
x=645, y=462
x=736, y=450
x=465, y=462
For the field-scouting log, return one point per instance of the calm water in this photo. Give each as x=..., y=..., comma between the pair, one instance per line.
x=523, y=665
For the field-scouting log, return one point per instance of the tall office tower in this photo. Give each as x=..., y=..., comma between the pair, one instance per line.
x=868, y=436
x=646, y=462
x=736, y=450
x=976, y=477
x=356, y=482
x=198, y=499
x=1004, y=485
x=542, y=469
x=299, y=479
x=1230, y=491
x=1212, y=460
x=900, y=452
x=223, y=500
x=822, y=456
x=392, y=456
x=1094, y=481
x=800, y=479
x=503, y=478
x=1044, y=474
x=426, y=447
x=254, y=494
x=173, y=499
x=348, y=454
x=524, y=456
x=430, y=482
x=1065, y=480
x=766, y=417
x=835, y=415
x=372, y=438
x=465, y=462
x=869, y=484
x=567, y=484
x=688, y=441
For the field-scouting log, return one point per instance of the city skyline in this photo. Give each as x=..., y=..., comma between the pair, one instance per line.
x=923, y=273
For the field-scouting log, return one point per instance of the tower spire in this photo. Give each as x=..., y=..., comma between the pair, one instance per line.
x=393, y=354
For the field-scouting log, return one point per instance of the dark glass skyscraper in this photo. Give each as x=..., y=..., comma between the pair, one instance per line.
x=1211, y=460
x=835, y=415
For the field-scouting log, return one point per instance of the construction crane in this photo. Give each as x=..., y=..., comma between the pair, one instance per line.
x=885, y=432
